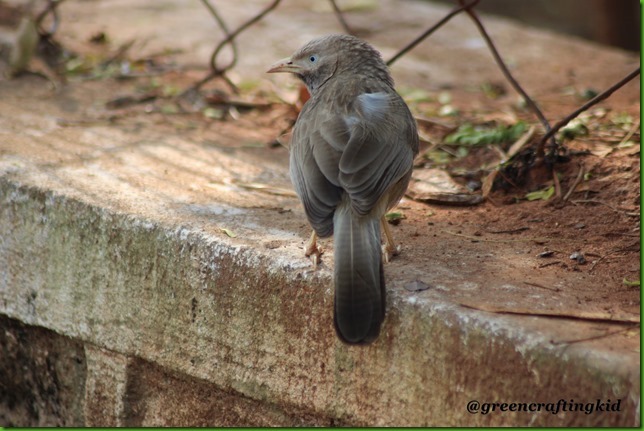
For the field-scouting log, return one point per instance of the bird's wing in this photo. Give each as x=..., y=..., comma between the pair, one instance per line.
x=316, y=149
x=362, y=150
x=380, y=149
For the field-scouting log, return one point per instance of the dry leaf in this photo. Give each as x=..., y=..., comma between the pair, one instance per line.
x=228, y=232
x=266, y=189
x=601, y=150
x=437, y=186
x=488, y=183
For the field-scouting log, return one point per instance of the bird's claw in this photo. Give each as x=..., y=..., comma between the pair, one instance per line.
x=314, y=253
x=389, y=251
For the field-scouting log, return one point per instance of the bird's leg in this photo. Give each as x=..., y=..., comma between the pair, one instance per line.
x=389, y=249
x=313, y=251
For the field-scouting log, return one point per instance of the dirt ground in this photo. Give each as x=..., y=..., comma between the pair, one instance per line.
x=590, y=234
x=592, y=237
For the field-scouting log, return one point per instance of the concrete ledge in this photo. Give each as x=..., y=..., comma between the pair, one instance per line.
x=234, y=319
x=123, y=300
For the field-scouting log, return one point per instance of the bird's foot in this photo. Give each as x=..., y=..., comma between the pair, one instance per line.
x=315, y=254
x=389, y=251
x=313, y=251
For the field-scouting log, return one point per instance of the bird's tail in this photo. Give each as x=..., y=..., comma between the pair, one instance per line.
x=359, y=307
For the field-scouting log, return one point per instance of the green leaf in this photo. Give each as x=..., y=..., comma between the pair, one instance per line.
x=573, y=129
x=437, y=156
x=631, y=283
x=213, y=113
x=394, y=217
x=470, y=135
x=544, y=194
x=622, y=119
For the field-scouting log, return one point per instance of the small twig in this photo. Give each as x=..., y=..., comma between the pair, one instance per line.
x=119, y=53
x=500, y=172
x=595, y=201
x=619, y=250
x=635, y=247
x=52, y=6
x=520, y=143
x=235, y=33
x=520, y=229
x=574, y=185
x=555, y=179
x=543, y=265
x=265, y=188
x=582, y=315
x=429, y=31
x=224, y=27
x=220, y=72
x=596, y=337
x=447, y=150
x=595, y=100
x=554, y=289
x=343, y=22
x=479, y=239
x=596, y=262
x=506, y=72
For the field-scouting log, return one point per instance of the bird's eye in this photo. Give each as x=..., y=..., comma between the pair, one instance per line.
x=313, y=58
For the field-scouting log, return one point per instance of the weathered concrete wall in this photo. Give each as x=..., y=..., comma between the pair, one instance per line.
x=162, y=325
x=42, y=377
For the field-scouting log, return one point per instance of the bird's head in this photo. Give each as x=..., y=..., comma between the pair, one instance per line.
x=328, y=56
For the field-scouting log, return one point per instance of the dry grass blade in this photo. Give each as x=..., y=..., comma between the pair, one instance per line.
x=488, y=183
x=596, y=337
x=520, y=143
x=597, y=316
x=481, y=239
x=580, y=176
x=631, y=132
x=265, y=188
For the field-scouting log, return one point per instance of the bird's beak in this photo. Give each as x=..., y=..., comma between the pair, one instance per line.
x=284, y=65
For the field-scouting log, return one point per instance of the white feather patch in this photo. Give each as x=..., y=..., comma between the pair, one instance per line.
x=374, y=106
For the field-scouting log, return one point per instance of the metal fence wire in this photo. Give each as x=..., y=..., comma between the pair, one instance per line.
x=546, y=149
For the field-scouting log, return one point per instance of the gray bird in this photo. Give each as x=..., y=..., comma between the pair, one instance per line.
x=351, y=159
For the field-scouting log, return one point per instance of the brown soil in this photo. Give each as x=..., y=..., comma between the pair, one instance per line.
x=446, y=247
x=504, y=237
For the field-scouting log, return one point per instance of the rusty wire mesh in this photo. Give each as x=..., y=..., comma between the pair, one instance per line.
x=546, y=148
